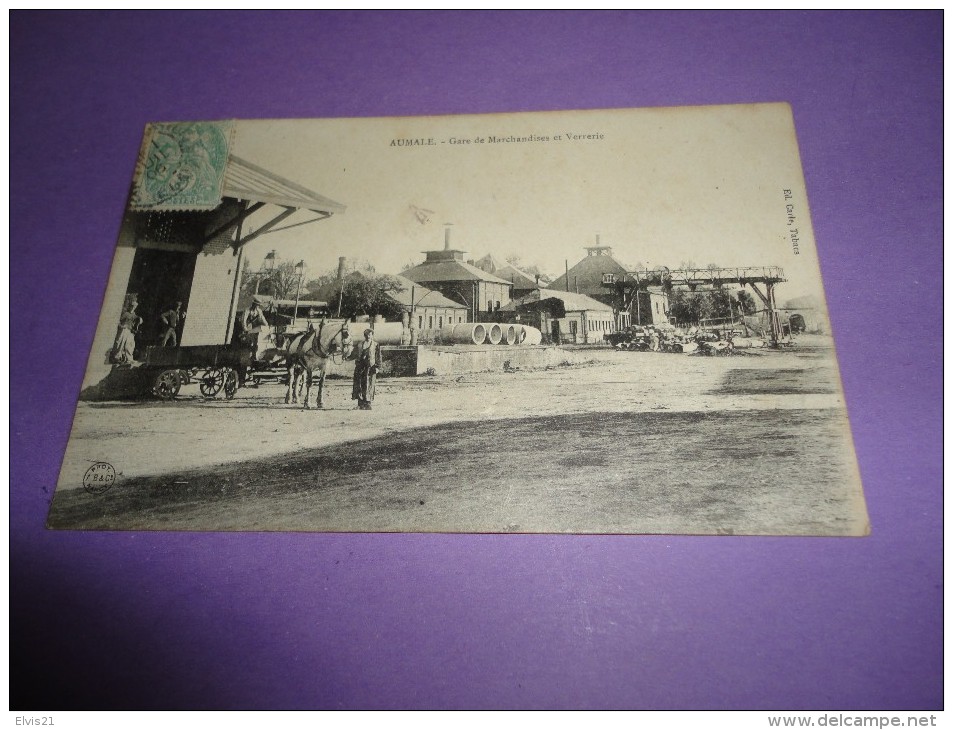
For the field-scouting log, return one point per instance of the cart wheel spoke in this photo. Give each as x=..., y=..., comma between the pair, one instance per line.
x=167, y=384
x=212, y=382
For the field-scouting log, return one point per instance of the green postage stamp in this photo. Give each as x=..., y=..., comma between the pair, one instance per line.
x=182, y=166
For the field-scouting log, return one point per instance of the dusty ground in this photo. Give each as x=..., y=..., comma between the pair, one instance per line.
x=631, y=442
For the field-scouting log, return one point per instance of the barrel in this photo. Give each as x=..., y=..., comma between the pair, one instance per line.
x=494, y=334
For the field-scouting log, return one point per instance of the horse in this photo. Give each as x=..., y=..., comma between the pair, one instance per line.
x=310, y=352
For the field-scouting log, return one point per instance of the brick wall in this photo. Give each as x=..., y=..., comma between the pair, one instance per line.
x=495, y=293
x=426, y=318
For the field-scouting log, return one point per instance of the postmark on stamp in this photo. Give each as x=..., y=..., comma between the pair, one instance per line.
x=182, y=166
x=99, y=478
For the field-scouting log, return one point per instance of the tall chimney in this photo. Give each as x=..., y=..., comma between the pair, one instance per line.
x=341, y=260
x=446, y=238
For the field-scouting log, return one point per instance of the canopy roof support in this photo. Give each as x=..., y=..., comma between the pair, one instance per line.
x=302, y=223
x=267, y=227
x=235, y=221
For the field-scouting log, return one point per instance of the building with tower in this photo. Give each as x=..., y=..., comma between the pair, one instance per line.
x=586, y=277
x=445, y=271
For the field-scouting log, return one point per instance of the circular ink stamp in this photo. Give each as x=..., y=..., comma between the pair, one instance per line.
x=99, y=477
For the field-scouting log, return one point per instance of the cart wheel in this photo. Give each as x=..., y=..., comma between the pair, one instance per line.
x=212, y=382
x=231, y=383
x=167, y=384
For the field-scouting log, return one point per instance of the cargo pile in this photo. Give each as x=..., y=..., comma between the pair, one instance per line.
x=666, y=338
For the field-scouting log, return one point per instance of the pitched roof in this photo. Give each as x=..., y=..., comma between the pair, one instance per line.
x=246, y=181
x=520, y=279
x=587, y=274
x=571, y=301
x=449, y=271
x=489, y=264
x=423, y=297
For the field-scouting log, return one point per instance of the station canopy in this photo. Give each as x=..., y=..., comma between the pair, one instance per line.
x=245, y=181
x=258, y=188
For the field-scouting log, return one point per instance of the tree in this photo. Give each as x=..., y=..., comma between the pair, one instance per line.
x=325, y=285
x=366, y=294
x=690, y=307
x=685, y=306
x=362, y=293
x=281, y=282
x=746, y=302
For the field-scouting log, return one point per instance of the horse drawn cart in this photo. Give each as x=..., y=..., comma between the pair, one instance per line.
x=216, y=369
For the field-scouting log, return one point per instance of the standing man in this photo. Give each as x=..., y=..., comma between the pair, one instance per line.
x=365, y=371
x=170, y=323
x=252, y=323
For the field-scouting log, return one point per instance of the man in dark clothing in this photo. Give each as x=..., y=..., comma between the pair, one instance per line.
x=170, y=323
x=365, y=371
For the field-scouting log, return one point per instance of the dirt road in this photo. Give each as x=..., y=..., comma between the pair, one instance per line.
x=501, y=451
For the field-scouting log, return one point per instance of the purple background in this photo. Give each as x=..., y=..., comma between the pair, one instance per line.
x=191, y=620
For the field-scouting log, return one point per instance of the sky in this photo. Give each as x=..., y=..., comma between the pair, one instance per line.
x=662, y=187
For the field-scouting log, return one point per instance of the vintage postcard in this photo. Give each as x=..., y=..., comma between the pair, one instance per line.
x=570, y=322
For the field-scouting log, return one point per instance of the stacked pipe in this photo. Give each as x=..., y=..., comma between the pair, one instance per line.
x=472, y=333
x=489, y=333
x=469, y=333
x=533, y=336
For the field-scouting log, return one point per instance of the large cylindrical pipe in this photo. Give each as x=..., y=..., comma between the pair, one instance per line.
x=386, y=333
x=494, y=333
x=470, y=333
x=520, y=332
x=533, y=336
x=510, y=336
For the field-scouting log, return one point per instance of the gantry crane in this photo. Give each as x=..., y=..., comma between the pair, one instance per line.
x=629, y=284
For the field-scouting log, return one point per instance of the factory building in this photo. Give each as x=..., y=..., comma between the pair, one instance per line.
x=446, y=272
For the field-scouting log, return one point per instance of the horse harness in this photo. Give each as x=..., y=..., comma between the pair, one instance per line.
x=315, y=346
